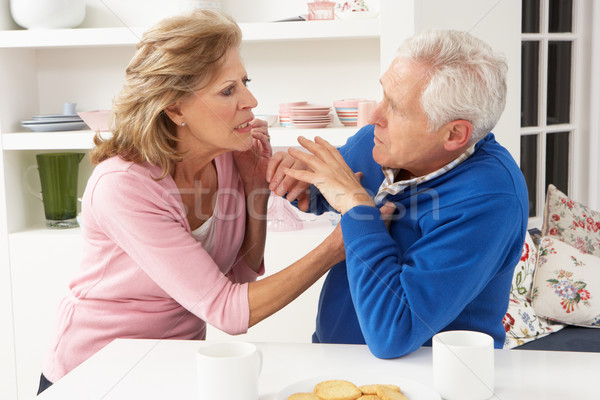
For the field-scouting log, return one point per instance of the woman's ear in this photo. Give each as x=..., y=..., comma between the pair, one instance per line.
x=459, y=134
x=174, y=113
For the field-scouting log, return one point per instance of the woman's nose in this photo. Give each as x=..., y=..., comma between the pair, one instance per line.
x=249, y=100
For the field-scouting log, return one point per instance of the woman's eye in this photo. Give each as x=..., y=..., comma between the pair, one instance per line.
x=227, y=92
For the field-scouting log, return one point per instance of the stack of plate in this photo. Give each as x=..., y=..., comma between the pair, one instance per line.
x=285, y=112
x=54, y=123
x=311, y=116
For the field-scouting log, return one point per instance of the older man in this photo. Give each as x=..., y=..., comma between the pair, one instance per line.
x=447, y=258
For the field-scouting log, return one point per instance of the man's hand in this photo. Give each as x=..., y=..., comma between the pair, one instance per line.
x=280, y=184
x=328, y=171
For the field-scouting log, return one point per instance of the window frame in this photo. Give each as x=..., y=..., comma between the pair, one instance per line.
x=542, y=129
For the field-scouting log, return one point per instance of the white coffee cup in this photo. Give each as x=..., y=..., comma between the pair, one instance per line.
x=228, y=371
x=463, y=365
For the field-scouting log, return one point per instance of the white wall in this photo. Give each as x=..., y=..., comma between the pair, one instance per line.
x=499, y=24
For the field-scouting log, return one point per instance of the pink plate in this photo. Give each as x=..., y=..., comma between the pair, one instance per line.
x=310, y=107
x=310, y=112
x=294, y=104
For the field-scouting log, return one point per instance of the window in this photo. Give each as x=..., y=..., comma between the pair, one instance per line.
x=548, y=128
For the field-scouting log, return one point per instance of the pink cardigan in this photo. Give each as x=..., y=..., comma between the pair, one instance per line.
x=143, y=275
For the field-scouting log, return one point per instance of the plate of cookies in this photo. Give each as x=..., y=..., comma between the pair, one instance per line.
x=359, y=387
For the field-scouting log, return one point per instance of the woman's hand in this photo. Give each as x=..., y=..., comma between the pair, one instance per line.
x=252, y=163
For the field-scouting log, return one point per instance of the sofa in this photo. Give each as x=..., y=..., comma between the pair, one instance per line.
x=554, y=302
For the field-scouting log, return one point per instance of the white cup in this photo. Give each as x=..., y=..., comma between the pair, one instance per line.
x=70, y=109
x=463, y=365
x=228, y=371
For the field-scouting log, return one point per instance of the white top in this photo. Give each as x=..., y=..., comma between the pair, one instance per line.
x=155, y=369
x=207, y=232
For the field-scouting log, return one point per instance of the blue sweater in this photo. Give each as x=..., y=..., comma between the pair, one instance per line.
x=446, y=263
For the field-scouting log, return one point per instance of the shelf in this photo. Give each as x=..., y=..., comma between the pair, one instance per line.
x=69, y=37
x=71, y=140
x=287, y=137
x=303, y=30
x=252, y=32
x=76, y=140
x=40, y=233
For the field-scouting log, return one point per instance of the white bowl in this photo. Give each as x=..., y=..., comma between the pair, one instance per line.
x=48, y=14
x=270, y=118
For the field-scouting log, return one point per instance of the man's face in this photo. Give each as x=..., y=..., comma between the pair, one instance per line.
x=401, y=137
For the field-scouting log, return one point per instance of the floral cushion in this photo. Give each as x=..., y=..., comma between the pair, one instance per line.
x=571, y=222
x=566, y=285
x=521, y=323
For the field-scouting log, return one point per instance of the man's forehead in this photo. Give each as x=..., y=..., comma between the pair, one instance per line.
x=409, y=75
x=392, y=76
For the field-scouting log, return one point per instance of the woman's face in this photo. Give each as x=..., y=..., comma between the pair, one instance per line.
x=217, y=117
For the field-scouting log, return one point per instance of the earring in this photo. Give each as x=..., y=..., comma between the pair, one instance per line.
x=183, y=124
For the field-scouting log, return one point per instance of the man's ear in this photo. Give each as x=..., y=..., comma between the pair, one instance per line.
x=174, y=113
x=459, y=134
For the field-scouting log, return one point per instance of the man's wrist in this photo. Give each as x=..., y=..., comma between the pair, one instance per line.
x=358, y=199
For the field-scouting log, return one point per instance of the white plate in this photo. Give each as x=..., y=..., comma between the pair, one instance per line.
x=55, y=116
x=57, y=120
x=56, y=127
x=413, y=390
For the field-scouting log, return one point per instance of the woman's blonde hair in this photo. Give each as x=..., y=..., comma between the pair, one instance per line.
x=176, y=57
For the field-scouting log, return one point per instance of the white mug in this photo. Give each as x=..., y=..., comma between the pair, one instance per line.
x=228, y=371
x=463, y=365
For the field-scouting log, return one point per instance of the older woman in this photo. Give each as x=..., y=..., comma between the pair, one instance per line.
x=174, y=213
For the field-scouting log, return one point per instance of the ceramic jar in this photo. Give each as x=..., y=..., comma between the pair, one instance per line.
x=48, y=14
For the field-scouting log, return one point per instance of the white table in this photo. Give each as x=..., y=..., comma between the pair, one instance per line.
x=152, y=369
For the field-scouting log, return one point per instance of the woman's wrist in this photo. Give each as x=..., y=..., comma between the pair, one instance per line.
x=257, y=202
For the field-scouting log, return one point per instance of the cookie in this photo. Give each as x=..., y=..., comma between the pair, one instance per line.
x=337, y=390
x=372, y=389
x=303, y=396
x=387, y=393
x=369, y=397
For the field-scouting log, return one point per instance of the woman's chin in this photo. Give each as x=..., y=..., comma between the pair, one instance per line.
x=244, y=141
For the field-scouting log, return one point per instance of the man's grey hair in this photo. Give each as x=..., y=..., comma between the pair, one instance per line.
x=466, y=79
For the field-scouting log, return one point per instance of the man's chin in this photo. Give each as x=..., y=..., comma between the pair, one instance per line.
x=377, y=157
